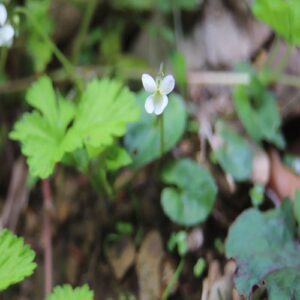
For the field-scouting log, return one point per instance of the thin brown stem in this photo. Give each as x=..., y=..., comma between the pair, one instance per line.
x=47, y=236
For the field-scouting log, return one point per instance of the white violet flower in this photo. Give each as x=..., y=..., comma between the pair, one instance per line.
x=158, y=100
x=6, y=30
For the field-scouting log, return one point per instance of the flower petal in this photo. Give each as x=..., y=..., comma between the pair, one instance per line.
x=167, y=85
x=161, y=104
x=149, y=105
x=6, y=35
x=149, y=83
x=3, y=14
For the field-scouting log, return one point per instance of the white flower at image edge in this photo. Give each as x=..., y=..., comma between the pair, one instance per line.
x=158, y=100
x=6, y=30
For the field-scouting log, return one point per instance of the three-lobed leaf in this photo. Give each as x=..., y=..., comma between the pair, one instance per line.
x=42, y=132
x=66, y=292
x=16, y=259
x=193, y=198
x=265, y=250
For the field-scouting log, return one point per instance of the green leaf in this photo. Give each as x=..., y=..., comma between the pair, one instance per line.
x=39, y=50
x=143, y=138
x=168, y=6
x=264, y=249
x=258, y=111
x=134, y=4
x=105, y=110
x=116, y=157
x=199, y=267
x=234, y=155
x=180, y=69
x=41, y=133
x=179, y=240
x=16, y=259
x=66, y=292
x=297, y=207
x=257, y=194
x=192, y=200
x=283, y=16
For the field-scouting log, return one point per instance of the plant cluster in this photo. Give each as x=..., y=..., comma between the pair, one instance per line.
x=103, y=126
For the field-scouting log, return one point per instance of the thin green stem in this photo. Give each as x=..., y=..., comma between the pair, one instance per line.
x=67, y=65
x=161, y=127
x=85, y=24
x=173, y=280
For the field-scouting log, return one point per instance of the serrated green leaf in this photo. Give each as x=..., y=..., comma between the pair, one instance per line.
x=258, y=111
x=66, y=292
x=283, y=16
x=264, y=249
x=41, y=133
x=194, y=196
x=143, y=137
x=234, y=155
x=16, y=259
x=105, y=110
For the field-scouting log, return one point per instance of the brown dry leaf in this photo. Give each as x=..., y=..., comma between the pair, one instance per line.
x=216, y=286
x=121, y=256
x=282, y=181
x=148, y=266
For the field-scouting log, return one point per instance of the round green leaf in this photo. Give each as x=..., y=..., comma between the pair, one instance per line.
x=192, y=200
x=143, y=138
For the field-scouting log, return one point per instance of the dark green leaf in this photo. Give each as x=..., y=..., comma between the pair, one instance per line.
x=194, y=196
x=264, y=248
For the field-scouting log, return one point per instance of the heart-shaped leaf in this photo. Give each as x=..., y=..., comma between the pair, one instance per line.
x=194, y=196
x=143, y=138
x=234, y=155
